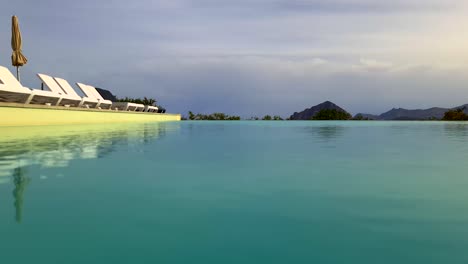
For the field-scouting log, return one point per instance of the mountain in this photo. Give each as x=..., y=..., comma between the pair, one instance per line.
x=416, y=114
x=307, y=114
x=367, y=116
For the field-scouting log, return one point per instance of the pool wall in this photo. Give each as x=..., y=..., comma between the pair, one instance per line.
x=38, y=115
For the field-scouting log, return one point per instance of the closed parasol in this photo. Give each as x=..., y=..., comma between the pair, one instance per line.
x=17, y=58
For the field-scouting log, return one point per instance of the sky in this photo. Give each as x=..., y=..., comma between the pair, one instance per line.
x=251, y=57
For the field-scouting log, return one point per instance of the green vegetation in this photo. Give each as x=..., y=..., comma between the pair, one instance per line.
x=331, y=114
x=455, y=115
x=214, y=116
x=267, y=118
x=222, y=116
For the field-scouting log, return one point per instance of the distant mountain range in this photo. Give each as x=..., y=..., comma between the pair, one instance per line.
x=393, y=114
x=308, y=113
x=416, y=114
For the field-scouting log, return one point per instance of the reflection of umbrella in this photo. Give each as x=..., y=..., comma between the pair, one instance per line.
x=20, y=182
x=17, y=58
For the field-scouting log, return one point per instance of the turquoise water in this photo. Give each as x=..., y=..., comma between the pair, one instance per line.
x=238, y=192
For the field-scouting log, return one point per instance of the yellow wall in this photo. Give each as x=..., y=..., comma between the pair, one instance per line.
x=31, y=116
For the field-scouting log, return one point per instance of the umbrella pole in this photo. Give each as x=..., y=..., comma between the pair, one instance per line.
x=17, y=73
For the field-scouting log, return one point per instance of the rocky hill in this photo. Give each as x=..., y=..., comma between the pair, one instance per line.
x=307, y=114
x=418, y=114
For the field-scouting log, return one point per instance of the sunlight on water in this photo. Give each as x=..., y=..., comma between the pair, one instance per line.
x=236, y=192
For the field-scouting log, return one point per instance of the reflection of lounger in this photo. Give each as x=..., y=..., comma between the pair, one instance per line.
x=12, y=91
x=89, y=152
x=65, y=99
x=91, y=92
x=85, y=101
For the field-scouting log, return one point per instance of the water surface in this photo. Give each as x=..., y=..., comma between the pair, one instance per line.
x=235, y=192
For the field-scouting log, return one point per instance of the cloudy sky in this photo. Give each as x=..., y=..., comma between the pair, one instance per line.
x=251, y=57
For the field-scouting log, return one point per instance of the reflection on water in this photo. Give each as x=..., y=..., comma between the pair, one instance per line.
x=456, y=131
x=326, y=132
x=57, y=146
x=20, y=181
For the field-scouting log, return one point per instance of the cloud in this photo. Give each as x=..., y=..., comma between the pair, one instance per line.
x=367, y=6
x=370, y=65
x=283, y=85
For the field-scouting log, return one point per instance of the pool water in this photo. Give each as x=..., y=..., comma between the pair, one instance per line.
x=235, y=192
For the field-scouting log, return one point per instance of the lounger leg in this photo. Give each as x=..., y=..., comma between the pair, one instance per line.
x=29, y=99
x=58, y=101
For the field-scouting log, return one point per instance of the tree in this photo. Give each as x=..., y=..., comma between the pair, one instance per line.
x=455, y=115
x=191, y=115
x=331, y=114
x=267, y=117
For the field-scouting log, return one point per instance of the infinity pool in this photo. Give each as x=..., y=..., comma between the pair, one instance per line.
x=235, y=192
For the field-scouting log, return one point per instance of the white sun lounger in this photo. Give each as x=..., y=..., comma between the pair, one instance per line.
x=106, y=103
x=85, y=101
x=43, y=97
x=127, y=106
x=91, y=92
x=65, y=99
x=150, y=108
x=12, y=91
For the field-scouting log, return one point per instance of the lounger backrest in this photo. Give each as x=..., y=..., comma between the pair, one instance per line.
x=85, y=89
x=51, y=83
x=8, y=82
x=95, y=92
x=66, y=87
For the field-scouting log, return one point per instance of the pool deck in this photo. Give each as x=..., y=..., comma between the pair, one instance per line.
x=12, y=114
